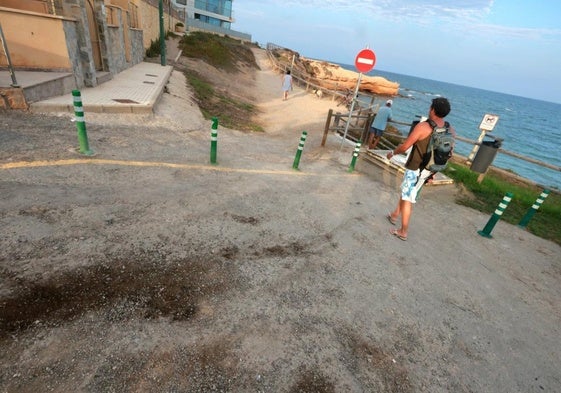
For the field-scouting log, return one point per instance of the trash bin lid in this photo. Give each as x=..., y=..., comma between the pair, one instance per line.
x=496, y=141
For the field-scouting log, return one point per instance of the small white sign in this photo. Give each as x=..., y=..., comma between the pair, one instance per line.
x=488, y=122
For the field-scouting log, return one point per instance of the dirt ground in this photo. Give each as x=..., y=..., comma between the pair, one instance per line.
x=146, y=269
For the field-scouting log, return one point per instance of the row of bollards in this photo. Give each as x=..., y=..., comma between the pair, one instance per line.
x=85, y=148
x=485, y=232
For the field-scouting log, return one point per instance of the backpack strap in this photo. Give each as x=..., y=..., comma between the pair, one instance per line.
x=422, y=154
x=434, y=125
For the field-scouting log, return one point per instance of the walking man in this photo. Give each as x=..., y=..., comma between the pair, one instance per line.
x=379, y=124
x=286, y=85
x=415, y=173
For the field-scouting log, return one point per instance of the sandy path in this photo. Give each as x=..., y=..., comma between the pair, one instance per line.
x=159, y=272
x=302, y=110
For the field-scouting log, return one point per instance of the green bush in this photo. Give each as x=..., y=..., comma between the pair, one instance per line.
x=154, y=49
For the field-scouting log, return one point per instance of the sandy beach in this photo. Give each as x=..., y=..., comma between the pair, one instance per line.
x=147, y=269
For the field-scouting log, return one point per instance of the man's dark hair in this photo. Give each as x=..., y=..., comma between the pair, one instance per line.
x=441, y=106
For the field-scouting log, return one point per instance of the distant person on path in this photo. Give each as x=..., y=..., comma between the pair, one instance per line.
x=415, y=175
x=286, y=85
x=379, y=124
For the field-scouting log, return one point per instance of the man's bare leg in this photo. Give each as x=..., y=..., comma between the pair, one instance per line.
x=404, y=209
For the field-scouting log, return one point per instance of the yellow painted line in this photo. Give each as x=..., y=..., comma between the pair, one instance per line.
x=39, y=164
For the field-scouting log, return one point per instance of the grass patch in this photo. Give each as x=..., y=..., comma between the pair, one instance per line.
x=232, y=113
x=486, y=196
x=224, y=53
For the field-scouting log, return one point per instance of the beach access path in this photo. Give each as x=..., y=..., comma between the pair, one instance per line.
x=146, y=268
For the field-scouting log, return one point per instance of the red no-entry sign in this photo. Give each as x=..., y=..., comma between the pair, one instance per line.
x=365, y=60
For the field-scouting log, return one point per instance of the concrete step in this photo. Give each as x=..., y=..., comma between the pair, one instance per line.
x=60, y=84
x=103, y=77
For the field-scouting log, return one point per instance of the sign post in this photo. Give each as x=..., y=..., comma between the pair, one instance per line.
x=364, y=62
x=487, y=124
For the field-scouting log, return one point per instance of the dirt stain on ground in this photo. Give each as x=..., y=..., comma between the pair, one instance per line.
x=151, y=284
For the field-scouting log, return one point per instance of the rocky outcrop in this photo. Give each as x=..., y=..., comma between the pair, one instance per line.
x=333, y=76
x=329, y=74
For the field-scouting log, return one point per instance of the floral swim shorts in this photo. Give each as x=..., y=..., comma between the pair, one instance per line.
x=413, y=180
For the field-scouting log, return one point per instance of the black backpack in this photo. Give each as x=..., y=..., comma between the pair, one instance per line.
x=439, y=149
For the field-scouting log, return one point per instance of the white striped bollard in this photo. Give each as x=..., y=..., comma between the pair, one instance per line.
x=214, y=140
x=299, y=151
x=486, y=232
x=355, y=156
x=526, y=219
x=81, y=123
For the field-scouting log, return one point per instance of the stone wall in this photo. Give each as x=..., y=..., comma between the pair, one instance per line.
x=74, y=52
x=137, y=44
x=117, y=50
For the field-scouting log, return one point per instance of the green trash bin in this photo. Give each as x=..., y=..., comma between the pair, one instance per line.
x=486, y=154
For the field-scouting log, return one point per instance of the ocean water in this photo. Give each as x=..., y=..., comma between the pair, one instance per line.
x=528, y=127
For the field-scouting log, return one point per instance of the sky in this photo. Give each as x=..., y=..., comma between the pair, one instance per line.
x=508, y=46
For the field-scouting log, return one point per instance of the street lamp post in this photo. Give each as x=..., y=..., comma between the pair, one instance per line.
x=162, y=34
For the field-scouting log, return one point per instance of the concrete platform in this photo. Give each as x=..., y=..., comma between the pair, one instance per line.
x=135, y=90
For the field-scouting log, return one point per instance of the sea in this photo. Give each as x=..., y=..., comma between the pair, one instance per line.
x=528, y=127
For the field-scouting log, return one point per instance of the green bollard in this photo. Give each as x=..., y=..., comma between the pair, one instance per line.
x=531, y=211
x=486, y=232
x=355, y=156
x=80, y=123
x=213, y=140
x=299, y=151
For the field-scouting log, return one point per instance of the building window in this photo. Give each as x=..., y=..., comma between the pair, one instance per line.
x=221, y=7
x=213, y=21
x=134, y=21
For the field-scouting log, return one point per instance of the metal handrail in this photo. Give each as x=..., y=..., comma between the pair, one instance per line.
x=7, y=53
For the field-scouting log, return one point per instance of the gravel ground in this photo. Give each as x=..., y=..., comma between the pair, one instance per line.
x=146, y=269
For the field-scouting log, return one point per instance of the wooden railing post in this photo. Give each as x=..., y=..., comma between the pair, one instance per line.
x=337, y=119
x=366, y=127
x=326, y=129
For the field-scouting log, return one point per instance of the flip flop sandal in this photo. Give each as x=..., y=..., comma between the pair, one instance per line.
x=396, y=234
x=390, y=219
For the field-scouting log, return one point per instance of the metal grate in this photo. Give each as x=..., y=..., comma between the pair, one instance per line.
x=125, y=101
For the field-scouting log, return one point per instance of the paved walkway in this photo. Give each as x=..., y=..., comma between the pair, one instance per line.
x=135, y=90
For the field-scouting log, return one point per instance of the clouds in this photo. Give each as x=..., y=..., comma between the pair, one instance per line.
x=458, y=14
x=402, y=9
x=503, y=41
